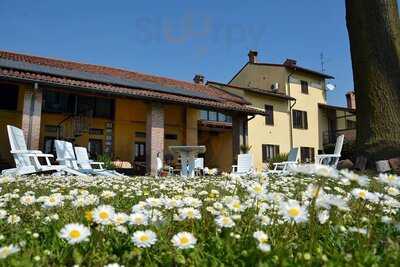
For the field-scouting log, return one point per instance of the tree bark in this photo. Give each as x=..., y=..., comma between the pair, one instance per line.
x=374, y=33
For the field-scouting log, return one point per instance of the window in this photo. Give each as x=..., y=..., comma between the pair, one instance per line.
x=57, y=102
x=214, y=116
x=304, y=87
x=269, y=151
x=300, y=119
x=307, y=154
x=140, y=151
x=140, y=134
x=269, y=115
x=204, y=115
x=350, y=124
x=171, y=136
x=9, y=96
x=95, y=148
x=96, y=131
x=104, y=108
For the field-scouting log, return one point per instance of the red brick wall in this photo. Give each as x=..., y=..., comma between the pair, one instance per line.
x=31, y=116
x=154, y=136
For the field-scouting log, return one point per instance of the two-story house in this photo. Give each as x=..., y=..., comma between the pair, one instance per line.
x=296, y=109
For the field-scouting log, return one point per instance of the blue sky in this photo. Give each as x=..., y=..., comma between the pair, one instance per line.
x=180, y=38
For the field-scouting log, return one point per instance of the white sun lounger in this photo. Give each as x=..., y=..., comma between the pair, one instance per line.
x=85, y=164
x=27, y=161
x=283, y=167
x=331, y=159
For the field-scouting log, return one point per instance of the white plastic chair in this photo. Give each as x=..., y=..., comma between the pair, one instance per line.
x=283, y=167
x=160, y=167
x=331, y=159
x=27, y=161
x=65, y=154
x=198, y=166
x=85, y=164
x=244, y=164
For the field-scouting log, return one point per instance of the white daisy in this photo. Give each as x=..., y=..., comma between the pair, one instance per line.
x=103, y=214
x=13, y=219
x=144, y=239
x=189, y=213
x=184, y=240
x=75, y=233
x=27, y=200
x=6, y=251
x=120, y=218
x=262, y=239
x=138, y=218
x=292, y=211
x=224, y=221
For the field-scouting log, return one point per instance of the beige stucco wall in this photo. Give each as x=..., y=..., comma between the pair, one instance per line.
x=260, y=133
x=261, y=76
x=312, y=136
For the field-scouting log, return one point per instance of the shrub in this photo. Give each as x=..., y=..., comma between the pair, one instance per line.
x=108, y=163
x=278, y=158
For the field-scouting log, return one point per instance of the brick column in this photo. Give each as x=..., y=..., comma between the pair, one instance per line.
x=192, y=117
x=31, y=116
x=239, y=133
x=154, y=136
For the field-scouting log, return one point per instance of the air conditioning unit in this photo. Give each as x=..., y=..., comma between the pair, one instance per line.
x=275, y=87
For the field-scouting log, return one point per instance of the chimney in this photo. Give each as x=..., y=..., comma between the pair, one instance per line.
x=351, y=100
x=252, y=56
x=290, y=62
x=199, y=79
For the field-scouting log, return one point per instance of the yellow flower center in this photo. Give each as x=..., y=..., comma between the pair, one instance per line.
x=190, y=214
x=236, y=205
x=103, y=215
x=294, y=212
x=226, y=220
x=258, y=189
x=391, y=178
x=184, y=240
x=138, y=220
x=144, y=238
x=74, y=234
x=362, y=194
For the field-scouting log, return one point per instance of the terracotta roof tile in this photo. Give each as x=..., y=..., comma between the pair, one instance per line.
x=121, y=73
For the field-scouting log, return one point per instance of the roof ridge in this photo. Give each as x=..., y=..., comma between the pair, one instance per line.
x=117, y=72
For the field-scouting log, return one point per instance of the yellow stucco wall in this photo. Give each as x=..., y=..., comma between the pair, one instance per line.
x=261, y=76
x=10, y=117
x=310, y=137
x=130, y=117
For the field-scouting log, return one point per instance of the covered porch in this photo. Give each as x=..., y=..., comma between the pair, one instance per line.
x=128, y=130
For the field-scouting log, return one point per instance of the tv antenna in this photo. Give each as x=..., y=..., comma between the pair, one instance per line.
x=322, y=58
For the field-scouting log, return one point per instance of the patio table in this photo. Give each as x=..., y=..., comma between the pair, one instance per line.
x=188, y=155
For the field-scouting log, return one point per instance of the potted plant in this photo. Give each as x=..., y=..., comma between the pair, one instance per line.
x=245, y=148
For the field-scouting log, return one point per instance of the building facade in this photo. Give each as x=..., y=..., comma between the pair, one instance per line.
x=129, y=116
x=296, y=109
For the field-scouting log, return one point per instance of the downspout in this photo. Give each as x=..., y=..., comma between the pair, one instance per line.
x=290, y=111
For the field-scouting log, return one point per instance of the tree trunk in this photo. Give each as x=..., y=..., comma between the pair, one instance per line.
x=374, y=33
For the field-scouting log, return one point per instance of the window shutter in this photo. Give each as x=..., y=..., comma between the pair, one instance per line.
x=305, y=120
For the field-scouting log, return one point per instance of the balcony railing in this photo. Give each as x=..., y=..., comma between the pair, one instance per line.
x=329, y=137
